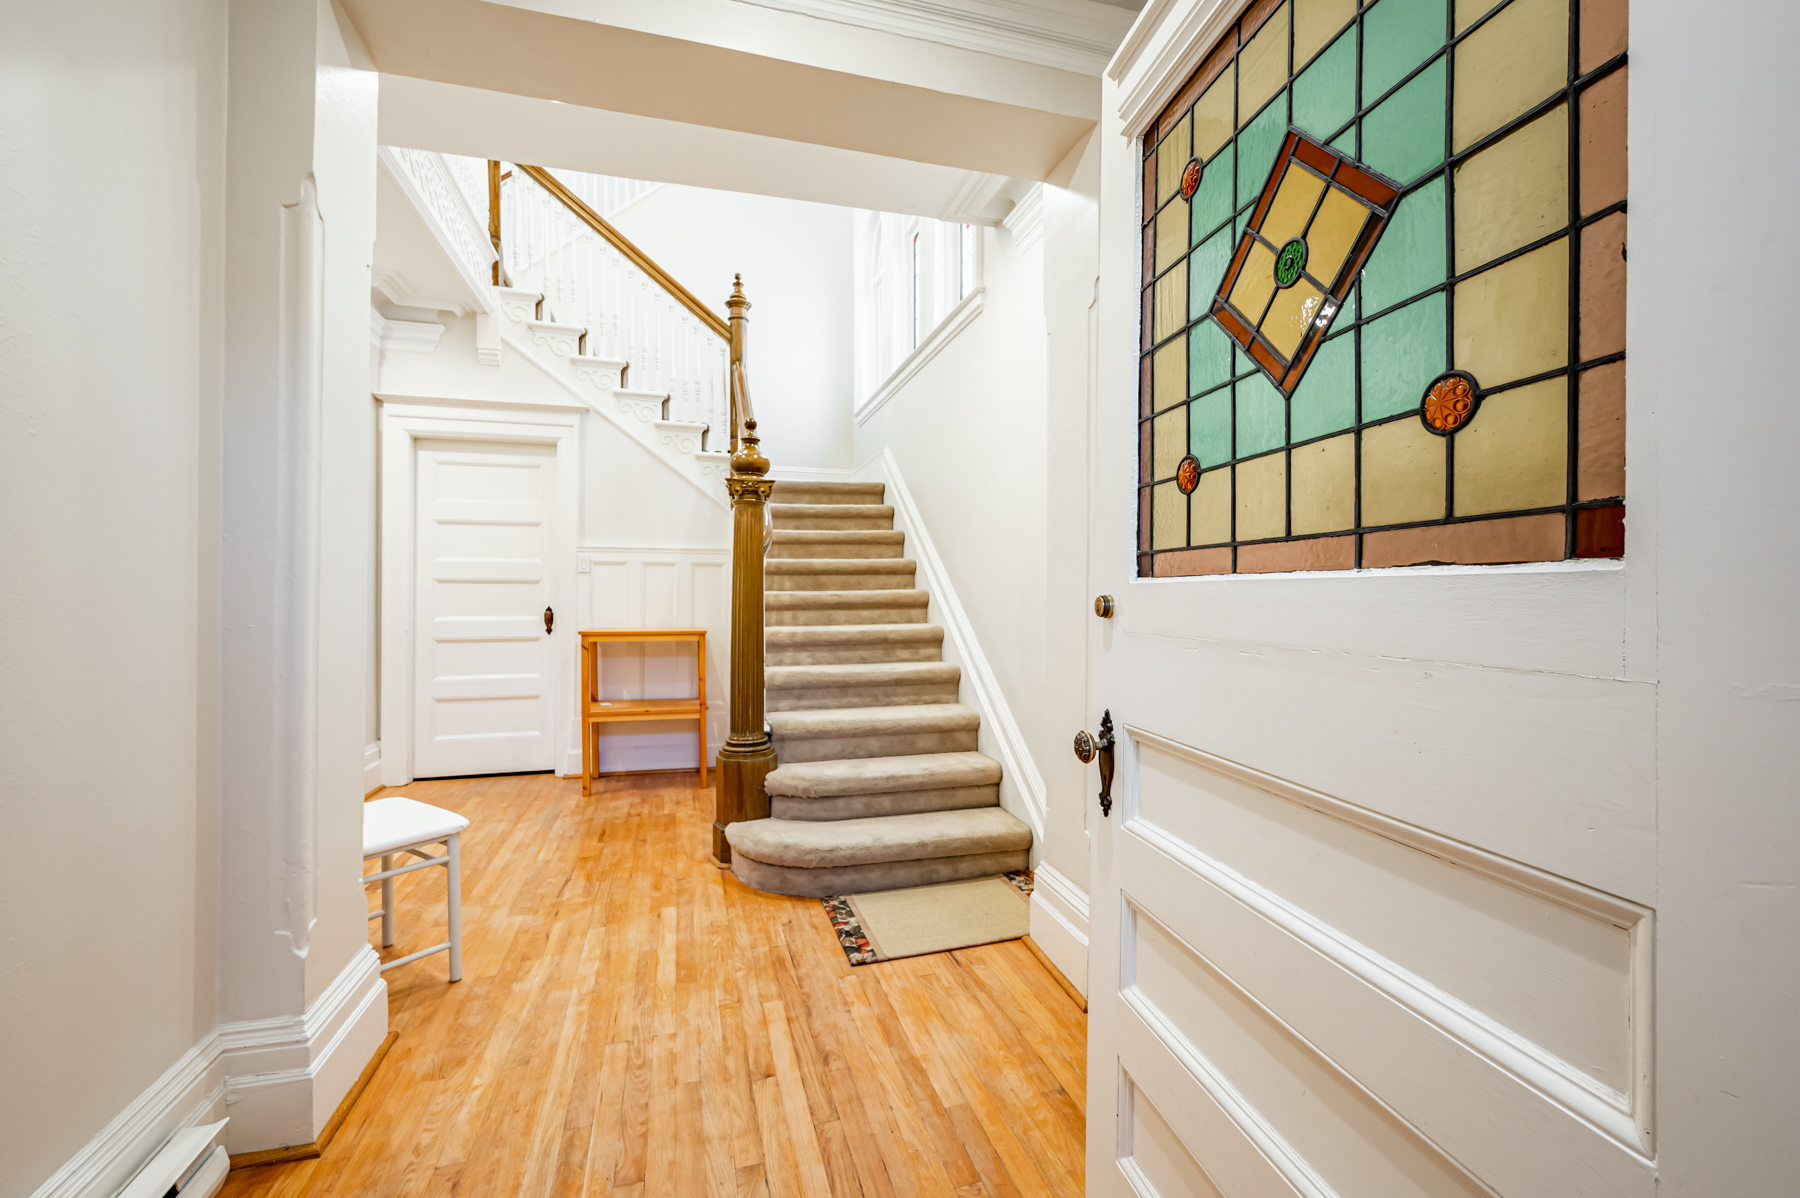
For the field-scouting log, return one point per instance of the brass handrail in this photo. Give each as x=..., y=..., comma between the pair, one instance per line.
x=638, y=258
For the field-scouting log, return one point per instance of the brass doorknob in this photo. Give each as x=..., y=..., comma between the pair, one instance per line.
x=1089, y=747
x=1084, y=747
x=1103, y=606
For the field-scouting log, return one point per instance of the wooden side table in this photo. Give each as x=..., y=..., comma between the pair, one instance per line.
x=596, y=711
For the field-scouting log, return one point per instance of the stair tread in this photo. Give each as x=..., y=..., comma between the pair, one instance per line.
x=882, y=775
x=874, y=721
x=870, y=510
x=804, y=599
x=859, y=673
x=814, y=635
x=818, y=844
x=839, y=536
x=839, y=565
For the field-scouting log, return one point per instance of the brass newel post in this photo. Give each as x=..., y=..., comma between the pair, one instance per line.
x=748, y=755
x=494, y=214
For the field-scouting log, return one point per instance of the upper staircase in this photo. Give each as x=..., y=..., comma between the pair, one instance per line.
x=880, y=784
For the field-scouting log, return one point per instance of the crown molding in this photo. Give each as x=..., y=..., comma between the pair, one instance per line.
x=1070, y=35
x=1162, y=50
x=1026, y=220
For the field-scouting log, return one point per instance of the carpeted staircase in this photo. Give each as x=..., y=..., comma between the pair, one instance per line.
x=879, y=784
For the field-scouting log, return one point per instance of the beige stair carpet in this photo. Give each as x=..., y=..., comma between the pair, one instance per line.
x=881, y=784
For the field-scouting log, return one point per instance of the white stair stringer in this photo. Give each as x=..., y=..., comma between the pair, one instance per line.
x=555, y=349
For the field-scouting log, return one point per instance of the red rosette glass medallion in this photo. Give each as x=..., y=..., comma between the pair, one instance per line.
x=1187, y=475
x=1190, y=179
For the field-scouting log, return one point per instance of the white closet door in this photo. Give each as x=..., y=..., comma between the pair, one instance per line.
x=482, y=664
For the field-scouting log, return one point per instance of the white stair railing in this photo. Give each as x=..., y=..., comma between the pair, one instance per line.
x=554, y=242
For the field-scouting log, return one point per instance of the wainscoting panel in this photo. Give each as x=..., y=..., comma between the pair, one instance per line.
x=657, y=588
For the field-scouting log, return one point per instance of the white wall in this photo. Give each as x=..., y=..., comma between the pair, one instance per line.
x=795, y=259
x=109, y=391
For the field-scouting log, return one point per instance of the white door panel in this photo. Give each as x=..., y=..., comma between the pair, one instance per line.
x=482, y=659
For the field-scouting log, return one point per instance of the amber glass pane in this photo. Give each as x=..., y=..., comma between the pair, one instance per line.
x=1470, y=11
x=1479, y=542
x=1169, y=439
x=1262, y=497
x=1255, y=283
x=1316, y=22
x=1333, y=232
x=1325, y=400
x=1515, y=453
x=1603, y=287
x=1324, y=486
x=1169, y=375
x=1513, y=192
x=1212, y=508
x=1402, y=473
x=1214, y=115
x=1603, y=171
x=1171, y=301
x=1600, y=532
x=1171, y=234
x=1290, y=315
x=1510, y=63
x=1171, y=156
x=1263, y=65
x=1168, y=517
x=1513, y=321
x=1293, y=206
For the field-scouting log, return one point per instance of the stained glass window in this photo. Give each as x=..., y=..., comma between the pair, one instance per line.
x=1384, y=289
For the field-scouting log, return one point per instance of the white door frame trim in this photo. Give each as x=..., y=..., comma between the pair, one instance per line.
x=404, y=420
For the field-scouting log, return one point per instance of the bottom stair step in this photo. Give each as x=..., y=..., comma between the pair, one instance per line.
x=819, y=858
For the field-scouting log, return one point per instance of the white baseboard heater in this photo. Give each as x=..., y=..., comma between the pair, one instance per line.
x=193, y=1164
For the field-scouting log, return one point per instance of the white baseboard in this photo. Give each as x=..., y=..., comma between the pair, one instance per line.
x=285, y=1076
x=372, y=768
x=1059, y=922
x=1022, y=789
x=811, y=474
x=189, y=1092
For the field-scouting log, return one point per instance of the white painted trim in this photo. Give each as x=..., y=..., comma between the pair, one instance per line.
x=953, y=323
x=285, y=1076
x=1070, y=35
x=189, y=1092
x=404, y=336
x=481, y=290
x=1022, y=788
x=1176, y=34
x=811, y=474
x=1026, y=220
x=405, y=419
x=1059, y=922
x=372, y=768
x=1623, y=1117
x=968, y=203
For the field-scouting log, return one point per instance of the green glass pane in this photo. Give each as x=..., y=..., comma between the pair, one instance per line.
x=1401, y=353
x=1261, y=415
x=1209, y=428
x=1325, y=93
x=1209, y=357
x=1206, y=270
x=1325, y=400
x=1410, y=255
x=1240, y=361
x=1212, y=201
x=1258, y=144
x=1345, y=142
x=1398, y=35
x=1404, y=137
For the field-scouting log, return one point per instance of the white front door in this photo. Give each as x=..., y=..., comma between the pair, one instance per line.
x=481, y=691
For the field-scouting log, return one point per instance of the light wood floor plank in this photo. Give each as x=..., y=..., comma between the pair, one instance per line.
x=633, y=1022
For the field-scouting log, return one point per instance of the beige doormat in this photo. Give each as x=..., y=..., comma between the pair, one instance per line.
x=886, y=924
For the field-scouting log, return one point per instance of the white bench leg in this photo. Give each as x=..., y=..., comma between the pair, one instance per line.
x=454, y=887
x=387, y=903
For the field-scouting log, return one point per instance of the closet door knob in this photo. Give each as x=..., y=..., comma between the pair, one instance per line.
x=549, y=620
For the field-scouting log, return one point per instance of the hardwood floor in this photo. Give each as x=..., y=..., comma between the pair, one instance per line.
x=633, y=1021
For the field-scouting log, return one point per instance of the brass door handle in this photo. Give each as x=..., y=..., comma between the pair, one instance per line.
x=549, y=620
x=1089, y=747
